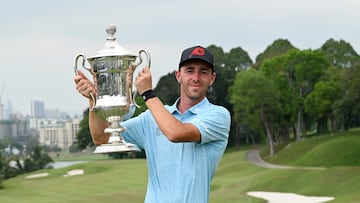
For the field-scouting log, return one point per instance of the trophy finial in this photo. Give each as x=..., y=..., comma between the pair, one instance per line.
x=110, y=30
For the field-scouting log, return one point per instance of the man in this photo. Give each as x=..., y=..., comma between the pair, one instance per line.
x=183, y=142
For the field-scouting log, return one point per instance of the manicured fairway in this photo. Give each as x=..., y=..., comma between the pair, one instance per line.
x=125, y=181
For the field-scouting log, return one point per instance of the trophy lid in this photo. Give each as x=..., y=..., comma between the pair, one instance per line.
x=112, y=48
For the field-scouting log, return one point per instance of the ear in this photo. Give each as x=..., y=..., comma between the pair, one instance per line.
x=212, y=79
x=177, y=76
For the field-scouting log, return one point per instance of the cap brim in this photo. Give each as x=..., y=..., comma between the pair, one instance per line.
x=196, y=59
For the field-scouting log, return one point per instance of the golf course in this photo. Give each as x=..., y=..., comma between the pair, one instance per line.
x=337, y=174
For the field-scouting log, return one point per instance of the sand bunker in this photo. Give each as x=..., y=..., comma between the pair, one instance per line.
x=279, y=197
x=74, y=172
x=39, y=175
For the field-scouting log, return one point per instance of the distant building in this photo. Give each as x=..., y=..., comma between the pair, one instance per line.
x=8, y=110
x=50, y=127
x=37, y=109
x=16, y=130
x=56, y=133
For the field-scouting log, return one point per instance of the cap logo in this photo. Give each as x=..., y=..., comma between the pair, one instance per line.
x=198, y=51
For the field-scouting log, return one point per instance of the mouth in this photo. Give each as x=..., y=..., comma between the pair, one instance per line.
x=195, y=86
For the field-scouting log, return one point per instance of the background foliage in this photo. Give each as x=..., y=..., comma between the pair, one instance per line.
x=281, y=96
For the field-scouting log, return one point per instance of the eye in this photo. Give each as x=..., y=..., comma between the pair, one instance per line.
x=189, y=70
x=205, y=71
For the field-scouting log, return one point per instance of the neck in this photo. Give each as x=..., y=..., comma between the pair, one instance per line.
x=185, y=104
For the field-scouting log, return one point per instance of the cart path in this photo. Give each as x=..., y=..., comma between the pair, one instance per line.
x=253, y=156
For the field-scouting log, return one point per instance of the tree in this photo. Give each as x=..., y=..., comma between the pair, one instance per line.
x=322, y=103
x=275, y=70
x=7, y=171
x=339, y=53
x=342, y=55
x=36, y=160
x=300, y=70
x=226, y=67
x=83, y=137
x=349, y=107
x=238, y=60
x=168, y=89
x=256, y=100
x=277, y=48
x=218, y=92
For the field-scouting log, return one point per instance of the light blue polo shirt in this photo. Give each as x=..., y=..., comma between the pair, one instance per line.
x=181, y=172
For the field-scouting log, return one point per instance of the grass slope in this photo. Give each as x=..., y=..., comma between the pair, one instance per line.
x=341, y=149
x=125, y=180
x=115, y=181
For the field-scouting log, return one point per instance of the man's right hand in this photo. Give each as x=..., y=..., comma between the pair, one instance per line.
x=84, y=86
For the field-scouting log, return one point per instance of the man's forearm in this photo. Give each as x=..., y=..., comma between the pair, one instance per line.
x=97, y=127
x=173, y=129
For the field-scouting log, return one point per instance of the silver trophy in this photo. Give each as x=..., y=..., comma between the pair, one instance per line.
x=112, y=68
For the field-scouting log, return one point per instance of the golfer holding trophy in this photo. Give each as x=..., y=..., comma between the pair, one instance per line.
x=183, y=142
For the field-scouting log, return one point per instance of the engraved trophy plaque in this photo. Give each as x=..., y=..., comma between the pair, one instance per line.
x=114, y=100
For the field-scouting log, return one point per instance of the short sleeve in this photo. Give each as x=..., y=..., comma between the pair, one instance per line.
x=213, y=124
x=134, y=132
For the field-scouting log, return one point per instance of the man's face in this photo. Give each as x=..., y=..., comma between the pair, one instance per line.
x=195, y=77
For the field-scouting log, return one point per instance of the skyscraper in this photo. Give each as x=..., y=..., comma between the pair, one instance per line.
x=8, y=110
x=37, y=109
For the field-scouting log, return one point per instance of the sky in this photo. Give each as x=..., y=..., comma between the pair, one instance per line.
x=39, y=39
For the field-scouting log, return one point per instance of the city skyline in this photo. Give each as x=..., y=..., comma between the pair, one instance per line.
x=35, y=111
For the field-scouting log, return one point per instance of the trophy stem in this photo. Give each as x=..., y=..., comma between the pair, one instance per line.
x=116, y=142
x=115, y=136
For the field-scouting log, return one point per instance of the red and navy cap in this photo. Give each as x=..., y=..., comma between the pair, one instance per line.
x=199, y=53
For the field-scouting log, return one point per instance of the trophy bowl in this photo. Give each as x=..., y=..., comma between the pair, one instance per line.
x=114, y=102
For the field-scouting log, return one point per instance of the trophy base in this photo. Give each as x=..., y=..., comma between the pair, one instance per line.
x=116, y=147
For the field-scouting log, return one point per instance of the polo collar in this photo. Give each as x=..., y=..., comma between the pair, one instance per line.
x=194, y=110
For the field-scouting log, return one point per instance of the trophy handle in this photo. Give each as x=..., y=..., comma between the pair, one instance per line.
x=137, y=64
x=76, y=73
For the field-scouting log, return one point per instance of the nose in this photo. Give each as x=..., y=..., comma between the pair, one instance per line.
x=196, y=76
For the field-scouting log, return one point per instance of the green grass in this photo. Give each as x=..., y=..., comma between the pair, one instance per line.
x=115, y=180
x=235, y=177
x=125, y=180
x=87, y=155
x=341, y=149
